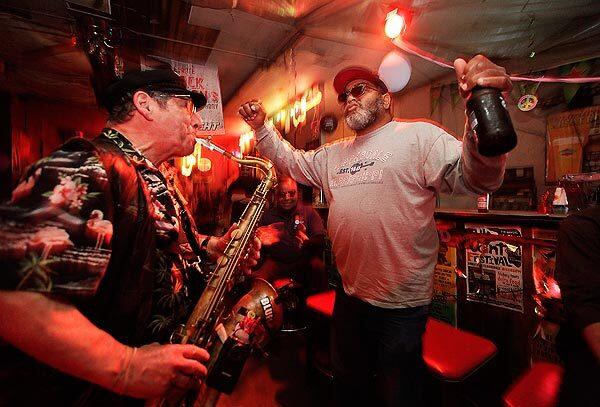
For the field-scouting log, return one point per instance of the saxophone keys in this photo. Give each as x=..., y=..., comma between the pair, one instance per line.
x=177, y=335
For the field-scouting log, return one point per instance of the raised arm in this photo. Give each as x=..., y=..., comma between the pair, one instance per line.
x=481, y=174
x=452, y=167
x=306, y=167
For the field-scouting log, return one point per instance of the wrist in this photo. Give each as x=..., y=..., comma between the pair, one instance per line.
x=263, y=130
x=119, y=384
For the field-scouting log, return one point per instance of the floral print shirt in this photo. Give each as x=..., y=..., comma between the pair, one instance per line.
x=57, y=234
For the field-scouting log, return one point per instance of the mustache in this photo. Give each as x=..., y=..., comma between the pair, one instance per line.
x=352, y=104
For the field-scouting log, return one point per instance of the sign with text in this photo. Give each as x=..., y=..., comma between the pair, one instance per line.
x=443, y=303
x=495, y=267
x=206, y=80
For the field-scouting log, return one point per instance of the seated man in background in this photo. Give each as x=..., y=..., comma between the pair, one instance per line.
x=293, y=236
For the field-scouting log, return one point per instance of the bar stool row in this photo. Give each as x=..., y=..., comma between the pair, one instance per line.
x=453, y=355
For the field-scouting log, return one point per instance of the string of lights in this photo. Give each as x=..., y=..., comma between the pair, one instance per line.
x=395, y=26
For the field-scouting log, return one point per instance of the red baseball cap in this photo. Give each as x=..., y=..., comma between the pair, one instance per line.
x=350, y=73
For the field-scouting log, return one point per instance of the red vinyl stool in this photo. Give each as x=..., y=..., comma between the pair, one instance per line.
x=453, y=354
x=538, y=387
x=281, y=282
x=322, y=303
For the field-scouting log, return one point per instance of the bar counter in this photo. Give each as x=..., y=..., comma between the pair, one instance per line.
x=524, y=218
x=493, y=269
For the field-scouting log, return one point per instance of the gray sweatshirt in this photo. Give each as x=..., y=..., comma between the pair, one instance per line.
x=381, y=188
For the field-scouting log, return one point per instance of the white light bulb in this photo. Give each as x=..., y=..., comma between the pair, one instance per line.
x=394, y=24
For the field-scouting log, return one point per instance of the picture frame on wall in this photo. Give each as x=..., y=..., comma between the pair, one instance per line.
x=572, y=143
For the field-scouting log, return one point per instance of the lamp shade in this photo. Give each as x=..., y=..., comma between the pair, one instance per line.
x=395, y=71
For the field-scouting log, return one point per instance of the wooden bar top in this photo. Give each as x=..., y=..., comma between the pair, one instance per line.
x=525, y=218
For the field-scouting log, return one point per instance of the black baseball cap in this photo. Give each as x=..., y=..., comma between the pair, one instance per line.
x=160, y=80
x=350, y=73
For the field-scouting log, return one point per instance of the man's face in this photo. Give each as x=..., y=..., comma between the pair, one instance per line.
x=363, y=110
x=177, y=124
x=287, y=195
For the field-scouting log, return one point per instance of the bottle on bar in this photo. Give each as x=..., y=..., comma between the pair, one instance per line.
x=483, y=203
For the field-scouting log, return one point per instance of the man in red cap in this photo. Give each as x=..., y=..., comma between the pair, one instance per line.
x=382, y=187
x=100, y=259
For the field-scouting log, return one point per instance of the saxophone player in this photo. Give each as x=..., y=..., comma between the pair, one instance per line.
x=93, y=254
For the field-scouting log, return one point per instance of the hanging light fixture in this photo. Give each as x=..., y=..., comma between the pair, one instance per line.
x=396, y=22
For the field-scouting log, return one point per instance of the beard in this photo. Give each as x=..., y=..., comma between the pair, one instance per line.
x=363, y=117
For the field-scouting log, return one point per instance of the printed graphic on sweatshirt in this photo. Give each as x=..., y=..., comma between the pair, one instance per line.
x=365, y=167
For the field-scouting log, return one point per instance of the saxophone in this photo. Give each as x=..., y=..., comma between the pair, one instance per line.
x=232, y=316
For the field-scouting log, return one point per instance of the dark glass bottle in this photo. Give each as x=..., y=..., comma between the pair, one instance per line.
x=489, y=118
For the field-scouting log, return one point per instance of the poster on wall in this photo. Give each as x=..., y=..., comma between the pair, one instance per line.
x=572, y=142
x=205, y=79
x=494, y=267
x=443, y=304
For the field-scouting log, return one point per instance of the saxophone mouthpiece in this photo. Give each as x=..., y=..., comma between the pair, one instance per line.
x=208, y=144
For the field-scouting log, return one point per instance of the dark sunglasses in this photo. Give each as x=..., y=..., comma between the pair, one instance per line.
x=356, y=91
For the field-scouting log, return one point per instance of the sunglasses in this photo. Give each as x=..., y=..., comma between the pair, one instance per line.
x=190, y=105
x=356, y=91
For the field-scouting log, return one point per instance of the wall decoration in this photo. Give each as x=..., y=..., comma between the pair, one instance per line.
x=527, y=102
x=495, y=267
x=443, y=303
x=293, y=114
x=328, y=123
x=567, y=135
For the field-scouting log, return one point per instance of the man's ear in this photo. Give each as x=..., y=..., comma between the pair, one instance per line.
x=144, y=104
x=387, y=101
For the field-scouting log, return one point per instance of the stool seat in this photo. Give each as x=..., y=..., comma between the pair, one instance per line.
x=538, y=387
x=453, y=354
x=322, y=303
x=282, y=282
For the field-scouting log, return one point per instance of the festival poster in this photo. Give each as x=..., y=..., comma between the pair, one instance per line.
x=205, y=79
x=443, y=304
x=494, y=267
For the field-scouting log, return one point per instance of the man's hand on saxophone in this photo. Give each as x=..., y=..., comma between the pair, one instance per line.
x=155, y=371
x=216, y=245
